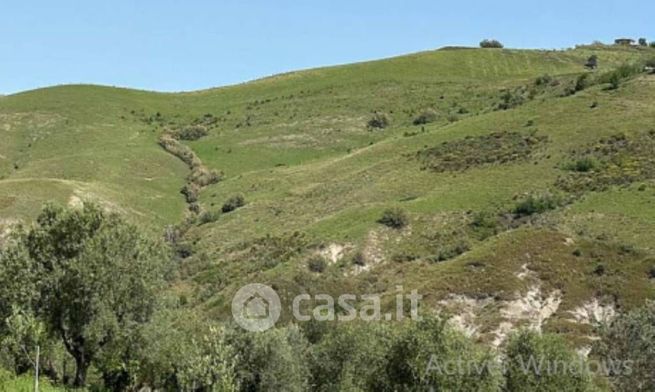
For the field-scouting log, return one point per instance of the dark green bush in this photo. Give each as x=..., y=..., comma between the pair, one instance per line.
x=452, y=251
x=490, y=43
x=234, y=202
x=583, y=165
x=378, y=121
x=543, y=80
x=426, y=117
x=359, y=259
x=537, y=204
x=191, y=132
x=531, y=360
x=582, y=82
x=643, y=42
x=317, y=264
x=395, y=218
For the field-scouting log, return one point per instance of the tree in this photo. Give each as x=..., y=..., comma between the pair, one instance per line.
x=96, y=278
x=490, y=43
x=431, y=355
x=630, y=340
x=536, y=362
x=26, y=335
x=643, y=42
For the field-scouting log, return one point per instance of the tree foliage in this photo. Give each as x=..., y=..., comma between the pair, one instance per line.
x=88, y=275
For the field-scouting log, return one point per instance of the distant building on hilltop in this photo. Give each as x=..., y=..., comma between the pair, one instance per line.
x=624, y=41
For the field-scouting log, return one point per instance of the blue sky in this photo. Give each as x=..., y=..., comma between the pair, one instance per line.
x=187, y=45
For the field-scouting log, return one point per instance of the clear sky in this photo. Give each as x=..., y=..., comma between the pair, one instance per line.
x=185, y=45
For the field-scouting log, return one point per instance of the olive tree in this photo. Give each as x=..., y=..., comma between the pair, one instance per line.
x=90, y=276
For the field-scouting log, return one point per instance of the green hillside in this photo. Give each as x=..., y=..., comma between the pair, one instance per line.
x=521, y=182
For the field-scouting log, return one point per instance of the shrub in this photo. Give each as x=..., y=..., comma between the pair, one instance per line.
x=452, y=251
x=652, y=44
x=317, y=264
x=209, y=217
x=395, y=218
x=234, y=202
x=614, y=81
x=643, y=42
x=592, y=62
x=537, y=362
x=543, y=80
x=191, y=132
x=651, y=272
x=583, y=165
x=360, y=260
x=629, y=340
x=490, y=43
x=582, y=82
x=537, y=204
x=427, y=116
x=190, y=192
x=378, y=121
x=615, y=77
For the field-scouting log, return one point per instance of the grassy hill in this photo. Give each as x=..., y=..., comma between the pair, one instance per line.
x=524, y=186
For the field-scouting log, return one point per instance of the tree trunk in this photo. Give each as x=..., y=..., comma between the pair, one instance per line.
x=81, y=367
x=36, y=368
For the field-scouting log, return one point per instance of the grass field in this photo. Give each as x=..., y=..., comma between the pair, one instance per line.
x=298, y=148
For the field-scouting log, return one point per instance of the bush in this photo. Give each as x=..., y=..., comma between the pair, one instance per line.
x=234, y=202
x=630, y=337
x=378, y=121
x=317, y=264
x=395, y=218
x=360, y=260
x=190, y=192
x=537, y=204
x=615, y=77
x=543, y=80
x=191, y=132
x=643, y=42
x=537, y=362
x=452, y=251
x=652, y=44
x=582, y=82
x=426, y=117
x=209, y=217
x=583, y=165
x=490, y=43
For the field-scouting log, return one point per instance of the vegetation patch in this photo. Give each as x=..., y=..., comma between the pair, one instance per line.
x=616, y=160
x=537, y=204
x=378, y=121
x=234, y=202
x=496, y=148
x=395, y=218
x=200, y=176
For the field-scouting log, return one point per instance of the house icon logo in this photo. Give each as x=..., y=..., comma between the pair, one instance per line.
x=256, y=307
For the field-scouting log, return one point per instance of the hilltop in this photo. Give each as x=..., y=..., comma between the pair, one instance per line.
x=524, y=190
